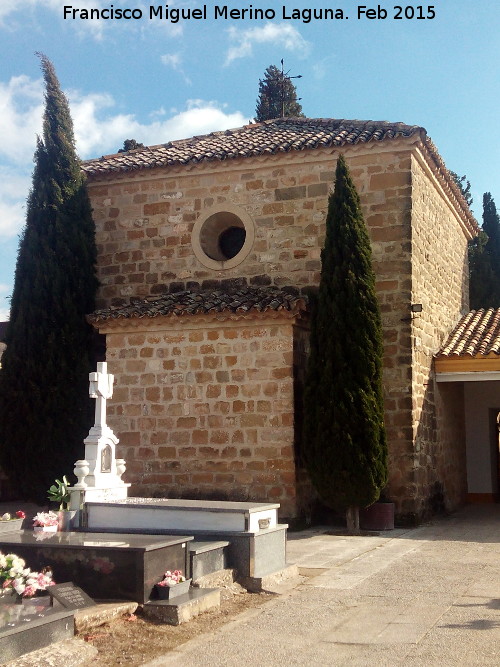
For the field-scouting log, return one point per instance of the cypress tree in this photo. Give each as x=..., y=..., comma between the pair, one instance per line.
x=344, y=442
x=491, y=227
x=464, y=186
x=45, y=411
x=130, y=145
x=275, y=92
x=484, y=260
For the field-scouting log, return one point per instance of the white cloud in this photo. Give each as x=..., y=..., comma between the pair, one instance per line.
x=99, y=129
x=13, y=8
x=200, y=118
x=15, y=11
x=279, y=35
x=21, y=108
x=322, y=67
x=5, y=291
x=174, y=61
x=14, y=189
x=171, y=59
x=11, y=215
x=158, y=113
x=9, y=6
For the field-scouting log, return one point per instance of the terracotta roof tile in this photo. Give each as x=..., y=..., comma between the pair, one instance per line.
x=281, y=135
x=477, y=333
x=236, y=300
x=272, y=136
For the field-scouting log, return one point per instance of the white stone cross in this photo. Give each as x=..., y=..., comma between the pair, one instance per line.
x=101, y=388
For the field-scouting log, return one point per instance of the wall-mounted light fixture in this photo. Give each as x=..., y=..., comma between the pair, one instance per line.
x=414, y=308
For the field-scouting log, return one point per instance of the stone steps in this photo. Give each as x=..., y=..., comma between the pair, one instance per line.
x=207, y=557
x=183, y=608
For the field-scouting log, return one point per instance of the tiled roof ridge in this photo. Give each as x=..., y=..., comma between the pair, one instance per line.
x=272, y=137
x=477, y=333
x=195, y=302
x=453, y=188
x=346, y=127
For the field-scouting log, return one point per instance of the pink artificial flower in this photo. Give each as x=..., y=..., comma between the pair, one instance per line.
x=29, y=591
x=42, y=581
x=20, y=514
x=172, y=578
x=46, y=519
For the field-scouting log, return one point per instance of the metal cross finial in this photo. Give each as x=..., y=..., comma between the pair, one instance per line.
x=284, y=76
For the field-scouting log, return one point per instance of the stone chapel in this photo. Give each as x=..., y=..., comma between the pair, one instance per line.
x=207, y=250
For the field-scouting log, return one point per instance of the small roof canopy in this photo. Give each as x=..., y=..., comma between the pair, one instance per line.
x=472, y=351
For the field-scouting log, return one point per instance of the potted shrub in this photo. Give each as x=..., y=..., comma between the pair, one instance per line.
x=344, y=442
x=9, y=523
x=46, y=522
x=172, y=585
x=59, y=493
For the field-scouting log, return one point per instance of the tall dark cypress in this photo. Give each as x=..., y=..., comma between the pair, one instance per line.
x=484, y=259
x=344, y=440
x=45, y=411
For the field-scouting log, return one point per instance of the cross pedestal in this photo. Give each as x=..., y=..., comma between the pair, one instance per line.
x=99, y=473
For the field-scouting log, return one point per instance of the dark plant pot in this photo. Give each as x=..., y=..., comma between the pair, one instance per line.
x=379, y=516
x=10, y=526
x=170, y=592
x=66, y=520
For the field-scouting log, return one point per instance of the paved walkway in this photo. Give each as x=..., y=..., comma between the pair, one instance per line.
x=424, y=597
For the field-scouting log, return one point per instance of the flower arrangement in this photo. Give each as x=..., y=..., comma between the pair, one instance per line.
x=172, y=578
x=7, y=517
x=173, y=585
x=44, y=519
x=18, y=579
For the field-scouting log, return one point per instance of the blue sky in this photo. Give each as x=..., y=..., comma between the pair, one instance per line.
x=156, y=81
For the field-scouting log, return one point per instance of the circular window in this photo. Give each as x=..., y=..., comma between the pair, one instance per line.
x=223, y=238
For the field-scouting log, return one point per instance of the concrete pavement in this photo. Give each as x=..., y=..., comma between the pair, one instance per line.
x=423, y=597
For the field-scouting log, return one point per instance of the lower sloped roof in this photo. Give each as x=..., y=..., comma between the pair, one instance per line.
x=472, y=351
x=191, y=302
x=477, y=334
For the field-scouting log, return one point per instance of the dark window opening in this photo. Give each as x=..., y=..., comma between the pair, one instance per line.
x=231, y=241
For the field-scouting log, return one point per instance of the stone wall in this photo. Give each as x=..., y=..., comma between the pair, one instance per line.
x=145, y=220
x=205, y=408
x=440, y=284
